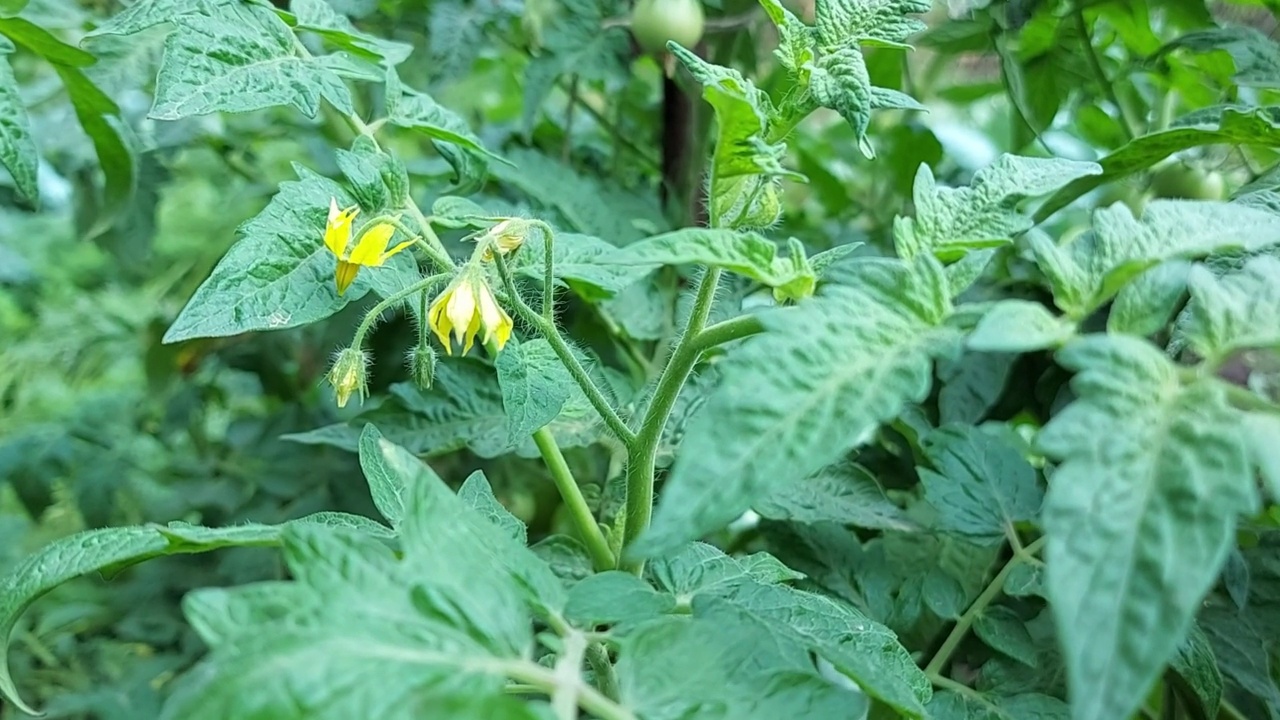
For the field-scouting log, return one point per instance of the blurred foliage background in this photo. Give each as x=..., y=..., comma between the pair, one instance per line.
x=101, y=424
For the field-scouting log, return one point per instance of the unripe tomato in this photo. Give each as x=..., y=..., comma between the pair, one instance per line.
x=654, y=22
x=1179, y=180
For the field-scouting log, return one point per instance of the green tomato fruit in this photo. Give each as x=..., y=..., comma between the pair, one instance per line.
x=654, y=22
x=1179, y=180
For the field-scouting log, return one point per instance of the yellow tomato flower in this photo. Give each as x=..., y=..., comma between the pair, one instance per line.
x=466, y=307
x=370, y=251
x=507, y=236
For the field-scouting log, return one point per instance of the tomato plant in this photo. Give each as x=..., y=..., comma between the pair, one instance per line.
x=848, y=359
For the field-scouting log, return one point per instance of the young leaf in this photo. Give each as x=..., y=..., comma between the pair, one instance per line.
x=1238, y=311
x=1092, y=268
x=836, y=367
x=983, y=484
x=1140, y=514
x=240, y=58
x=1146, y=305
x=17, y=149
x=319, y=17
x=951, y=221
x=279, y=274
x=1002, y=630
x=746, y=253
x=1019, y=326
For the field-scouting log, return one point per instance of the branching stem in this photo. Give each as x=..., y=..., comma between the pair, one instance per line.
x=601, y=556
x=396, y=298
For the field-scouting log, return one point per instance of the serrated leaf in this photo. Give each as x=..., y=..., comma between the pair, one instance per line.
x=478, y=495
x=1146, y=305
x=535, y=386
x=279, y=274
x=240, y=58
x=449, y=133
x=145, y=14
x=840, y=21
x=983, y=484
x=362, y=165
x=1139, y=515
x=745, y=253
x=839, y=81
x=1226, y=125
x=318, y=16
x=836, y=367
x=1238, y=311
x=615, y=597
x=866, y=651
x=951, y=221
x=1002, y=630
x=701, y=569
x=17, y=149
x=1091, y=269
x=845, y=493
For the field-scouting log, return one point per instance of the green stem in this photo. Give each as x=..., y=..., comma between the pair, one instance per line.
x=601, y=556
x=606, y=676
x=564, y=699
x=562, y=350
x=728, y=331
x=396, y=298
x=549, y=275
x=993, y=590
x=1231, y=711
x=433, y=240
x=642, y=455
x=547, y=681
x=1108, y=89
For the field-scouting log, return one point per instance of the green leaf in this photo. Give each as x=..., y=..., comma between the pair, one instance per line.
x=725, y=666
x=1002, y=630
x=319, y=17
x=1146, y=305
x=145, y=14
x=866, y=651
x=701, y=569
x=951, y=221
x=478, y=495
x=1262, y=433
x=581, y=262
x=279, y=274
x=836, y=367
x=1195, y=675
x=1238, y=311
x=844, y=493
x=746, y=253
x=972, y=385
x=983, y=484
x=837, y=22
x=240, y=58
x=1091, y=269
x=535, y=386
x=17, y=149
x=839, y=81
x=1256, y=56
x=385, y=484
x=1019, y=326
x=576, y=43
x=1140, y=515
x=1225, y=125
x=44, y=43
x=449, y=133
x=615, y=597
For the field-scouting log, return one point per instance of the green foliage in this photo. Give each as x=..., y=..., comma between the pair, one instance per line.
x=794, y=374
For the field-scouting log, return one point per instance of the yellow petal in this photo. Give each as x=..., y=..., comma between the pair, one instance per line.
x=472, y=329
x=462, y=308
x=337, y=231
x=503, y=330
x=393, y=251
x=345, y=275
x=490, y=313
x=438, y=320
x=372, y=244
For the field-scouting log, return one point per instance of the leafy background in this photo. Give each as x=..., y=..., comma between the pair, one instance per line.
x=141, y=192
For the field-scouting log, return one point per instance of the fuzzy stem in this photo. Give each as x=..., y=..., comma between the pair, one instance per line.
x=561, y=348
x=606, y=676
x=372, y=316
x=642, y=456
x=728, y=331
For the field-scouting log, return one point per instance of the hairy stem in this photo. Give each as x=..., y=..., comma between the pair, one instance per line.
x=642, y=454
x=562, y=350
x=728, y=331
x=372, y=316
x=601, y=556
x=989, y=594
